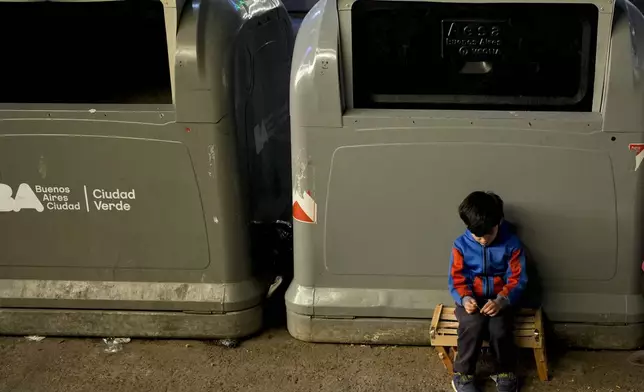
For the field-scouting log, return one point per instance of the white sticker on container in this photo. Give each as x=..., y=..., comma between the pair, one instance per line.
x=638, y=148
x=305, y=209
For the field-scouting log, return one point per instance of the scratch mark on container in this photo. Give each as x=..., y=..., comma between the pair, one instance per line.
x=42, y=167
x=301, y=165
x=211, y=160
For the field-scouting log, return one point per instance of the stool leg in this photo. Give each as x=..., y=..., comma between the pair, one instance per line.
x=542, y=363
x=453, y=353
x=447, y=360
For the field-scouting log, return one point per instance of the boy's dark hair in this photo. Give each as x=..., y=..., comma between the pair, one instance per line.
x=481, y=211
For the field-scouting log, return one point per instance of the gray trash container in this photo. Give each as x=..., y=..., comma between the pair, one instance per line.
x=132, y=134
x=400, y=109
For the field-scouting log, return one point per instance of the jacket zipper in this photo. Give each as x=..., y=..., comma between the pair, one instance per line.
x=485, y=277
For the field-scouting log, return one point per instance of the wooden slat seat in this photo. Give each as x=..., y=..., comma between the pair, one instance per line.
x=528, y=333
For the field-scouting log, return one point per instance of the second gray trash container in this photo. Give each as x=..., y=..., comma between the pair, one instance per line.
x=401, y=108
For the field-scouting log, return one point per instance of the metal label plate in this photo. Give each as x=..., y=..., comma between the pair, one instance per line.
x=474, y=40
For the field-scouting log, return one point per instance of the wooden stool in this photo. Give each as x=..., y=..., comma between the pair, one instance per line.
x=528, y=333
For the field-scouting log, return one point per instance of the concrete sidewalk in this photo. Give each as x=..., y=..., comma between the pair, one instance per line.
x=276, y=362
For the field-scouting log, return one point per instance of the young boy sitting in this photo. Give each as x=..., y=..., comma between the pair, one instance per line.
x=487, y=277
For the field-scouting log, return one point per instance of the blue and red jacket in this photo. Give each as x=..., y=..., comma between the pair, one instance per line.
x=486, y=272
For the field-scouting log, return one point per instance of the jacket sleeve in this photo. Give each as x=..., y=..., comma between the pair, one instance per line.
x=516, y=277
x=458, y=282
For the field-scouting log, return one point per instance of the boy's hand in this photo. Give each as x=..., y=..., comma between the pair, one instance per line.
x=491, y=308
x=470, y=305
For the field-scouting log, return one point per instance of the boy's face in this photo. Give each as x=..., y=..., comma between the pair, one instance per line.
x=488, y=238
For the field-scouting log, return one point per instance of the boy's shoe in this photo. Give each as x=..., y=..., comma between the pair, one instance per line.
x=464, y=383
x=506, y=382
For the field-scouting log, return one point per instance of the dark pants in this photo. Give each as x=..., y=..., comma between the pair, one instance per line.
x=473, y=329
